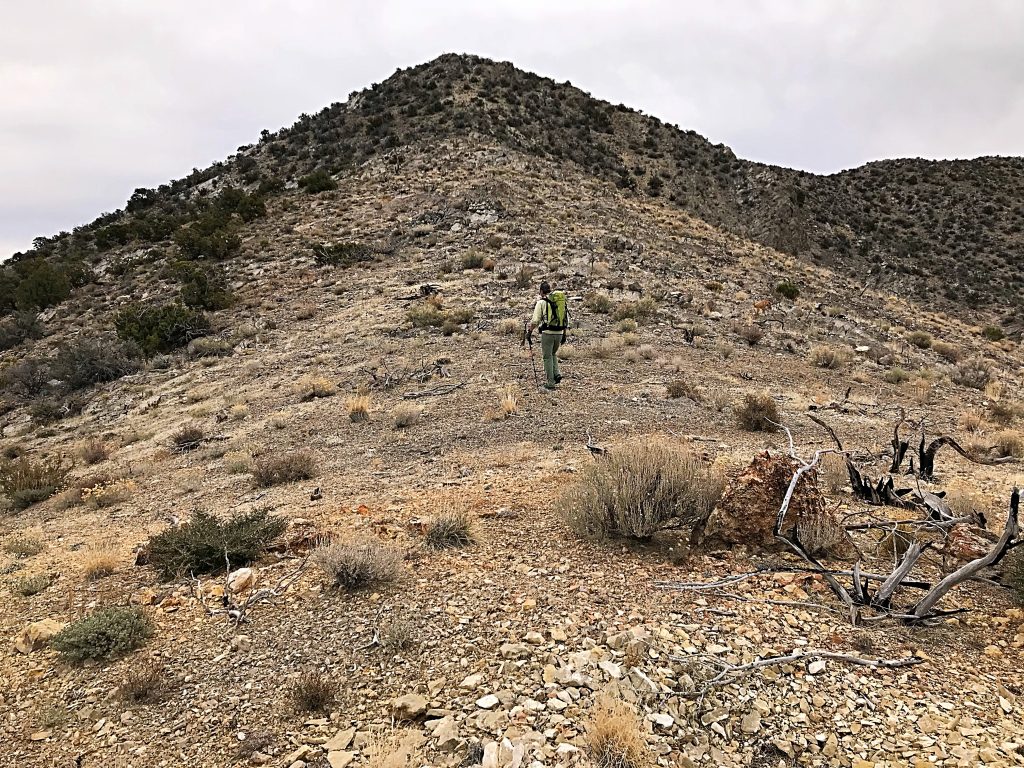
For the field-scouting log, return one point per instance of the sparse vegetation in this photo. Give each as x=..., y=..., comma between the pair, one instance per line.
x=86, y=362
x=342, y=254
x=682, y=388
x=24, y=545
x=451, y=528
x=26, y=482
x=358, y=407
x=641, y=488
x=896, y=375
x=974, y=372
x=313, y=691
x=757, y=412
x=205, y=543
x=993, y=333
x=636, y=310
x=615, y=737
x=26, y=586
x=93, y=451
x=406, y=415
x=318, y=181
x=188, y=438
x=143, y=683
x=276, y=469
x=831, y=358
x=358, y=564
x=947, y=351
x=99, y=564
x=752, y=334
x=598, y=301
x=313, y=387
x=787, y=290
x=920, y=339
x=103, y=635
x=1009, y=442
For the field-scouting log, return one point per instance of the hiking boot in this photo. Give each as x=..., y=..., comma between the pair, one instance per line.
x=550, y=386
x=558, y=379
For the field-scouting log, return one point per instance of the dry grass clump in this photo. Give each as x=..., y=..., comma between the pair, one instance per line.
x=142, y=683
x=188, y=438
x=508, y=327
x=895, y=375
x=237, y=462
x=641, y=488
x=99, y=564
x=831, y=358
x=636, y=310
x=605, y=349
x=945, y=350
x=26, y=586
x=280, y=468
x=832, y=471
x=313, y=387
x=450, y=529
x=600, y=302
x=24, y=545
x=972, y=421
x=358, y=407
x=397, y=633
x=682, y=388
x=615, y=736
x=626, y=326
x=1004, y=412
x=107, y=494
x=752, y=334
x=1009, y=442
x=757, y=412
x=206, y=544
x=965, y=501
x=313, y=691
x=26, y=482
x=406, y=415
x=93, y=452
x=920, y=339
x=358, y=564
x=103, y=635
x=509, y=401
x=973, y=372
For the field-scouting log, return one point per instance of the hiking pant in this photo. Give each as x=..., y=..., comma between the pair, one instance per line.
x=549, y=344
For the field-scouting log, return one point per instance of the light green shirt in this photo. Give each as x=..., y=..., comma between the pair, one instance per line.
x=540, y=316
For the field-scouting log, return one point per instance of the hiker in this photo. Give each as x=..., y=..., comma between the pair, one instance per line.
x=551, y=316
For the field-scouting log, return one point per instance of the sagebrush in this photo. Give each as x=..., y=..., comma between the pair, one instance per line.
x=358, y=564
x=103, y=635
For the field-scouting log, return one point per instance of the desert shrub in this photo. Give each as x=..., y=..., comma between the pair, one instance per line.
x=451, y=528
x=406, y=415
x=84, y=363
x=524, y=277
x=626, y=326
x=318, y=181
x=108, y=493
x=787, y=290
x=104, y=634
x=973, y=372
x=188, y=438
x=425, y=315
x=26, y=378
x=832, y=358
x=142, y=683
x=598, y=301
x=358, y=407
x=946, y=351
x=397, y=633
x=641, y=488
x=896, y=375
x=26, y=586
x=313, y=691
x=993, y=333
x=752, y=334
x=920, y=339
x=683, y=388
x=636, y=310
x=604, y=349
x=18, y=328
x=757, y=412
x=1009, y=442
x=24, y=546
x=205, y=544
x=472, y=259
x=1004, y=412
x=280, y=468
x=203, y=286
x=342, y=254
x=1013, y=574
x=26, y=482
x=615, y=736
x=160, y=328
x=93, y=451
x=509, y=327
x=207, y=346
x=99, y=564
x=313, y=387
x=358, y=564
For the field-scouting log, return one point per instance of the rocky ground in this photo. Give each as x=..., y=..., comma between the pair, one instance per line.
x=495, y=653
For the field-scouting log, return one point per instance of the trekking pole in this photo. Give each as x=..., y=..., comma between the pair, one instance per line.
x=528, y=338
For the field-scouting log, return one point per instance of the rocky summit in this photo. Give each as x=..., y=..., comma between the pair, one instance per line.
x=281, y=487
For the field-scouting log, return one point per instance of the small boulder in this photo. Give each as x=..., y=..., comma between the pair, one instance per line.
x=411, y=706
x=36, y=635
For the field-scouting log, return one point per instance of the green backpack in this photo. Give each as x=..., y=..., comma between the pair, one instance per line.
x=558, y=312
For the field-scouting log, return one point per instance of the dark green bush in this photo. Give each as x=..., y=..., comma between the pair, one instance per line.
x=203, y=287
x=757, y=413
x=993, y=333
x=103, y=635
x=26, y=482
x=18, y=328
x=87, y=362
x=318, y=181
x=162, y=328
x=787, y=290
x=342, y=254
x=212, y=235
x=205, y=544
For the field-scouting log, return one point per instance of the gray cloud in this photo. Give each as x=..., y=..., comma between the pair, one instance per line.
x=102, y=96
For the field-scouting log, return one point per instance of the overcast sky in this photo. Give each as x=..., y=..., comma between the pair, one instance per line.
x=98, y=97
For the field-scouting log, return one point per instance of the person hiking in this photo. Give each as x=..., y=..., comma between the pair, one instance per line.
x=551, y=316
